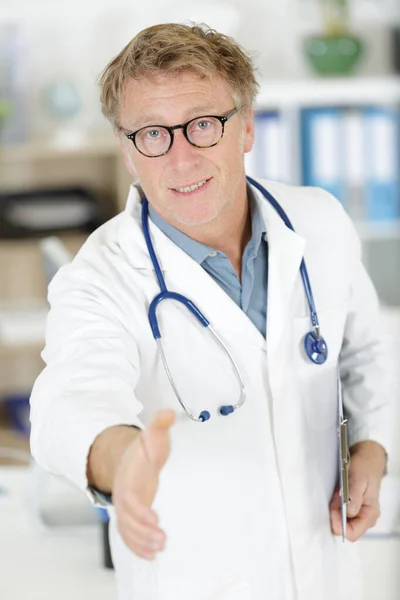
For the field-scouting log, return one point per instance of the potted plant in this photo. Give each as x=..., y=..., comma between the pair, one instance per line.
x=336, y=51
x=5, y=111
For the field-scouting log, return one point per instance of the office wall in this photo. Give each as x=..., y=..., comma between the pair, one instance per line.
x=75, y=40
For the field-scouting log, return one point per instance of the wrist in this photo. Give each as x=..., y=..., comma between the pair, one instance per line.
x=106, y=454
x=374, y=453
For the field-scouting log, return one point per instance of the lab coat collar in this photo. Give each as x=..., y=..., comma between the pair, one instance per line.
x=186, y=277
x=285, y=253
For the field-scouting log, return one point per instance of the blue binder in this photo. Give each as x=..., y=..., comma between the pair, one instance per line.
x=321, y=156
x=268, y=154
x=382, y=159
x=354, y=168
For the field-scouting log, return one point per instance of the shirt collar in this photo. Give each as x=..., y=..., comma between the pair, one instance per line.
x=258, y=228
x=198, y=251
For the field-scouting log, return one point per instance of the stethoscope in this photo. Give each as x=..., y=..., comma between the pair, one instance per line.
x=314, y=345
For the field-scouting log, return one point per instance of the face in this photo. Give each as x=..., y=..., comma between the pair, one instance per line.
x=171, y=100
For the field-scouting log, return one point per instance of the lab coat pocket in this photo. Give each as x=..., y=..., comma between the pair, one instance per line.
x=317, y=384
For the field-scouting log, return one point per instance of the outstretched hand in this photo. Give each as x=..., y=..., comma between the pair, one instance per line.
x=136, y=484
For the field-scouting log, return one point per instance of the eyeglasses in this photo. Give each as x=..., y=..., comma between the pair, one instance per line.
x=202, y=132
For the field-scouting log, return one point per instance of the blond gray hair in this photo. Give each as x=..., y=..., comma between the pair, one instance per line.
x=173, y=49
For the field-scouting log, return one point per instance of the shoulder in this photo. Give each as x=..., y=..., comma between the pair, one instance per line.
x=315, y=214
x=98, y=248
x=302, y=201
x=98, y=262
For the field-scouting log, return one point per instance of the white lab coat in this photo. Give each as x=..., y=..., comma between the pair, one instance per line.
x=243, y=499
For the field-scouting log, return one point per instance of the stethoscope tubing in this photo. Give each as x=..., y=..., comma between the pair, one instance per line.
x=314, y=345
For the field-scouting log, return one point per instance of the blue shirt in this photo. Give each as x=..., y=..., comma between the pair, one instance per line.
x=250, y=294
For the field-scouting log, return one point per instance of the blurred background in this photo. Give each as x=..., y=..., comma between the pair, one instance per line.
x=327, y=115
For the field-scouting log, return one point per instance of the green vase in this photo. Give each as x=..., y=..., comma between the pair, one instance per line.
x=333, y=55
x=5, y=111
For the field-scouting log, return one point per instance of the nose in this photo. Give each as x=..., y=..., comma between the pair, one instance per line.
x=182, y=154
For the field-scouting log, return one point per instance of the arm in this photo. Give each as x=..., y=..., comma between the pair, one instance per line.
x=90, y=376
x=367, y=403
x=84, y=412
x=106, y=454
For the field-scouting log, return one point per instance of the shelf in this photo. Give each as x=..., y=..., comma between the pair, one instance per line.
x=44, y=150
x=19, y=348
x=285, y=94
x=352, y=91
x=23, y=326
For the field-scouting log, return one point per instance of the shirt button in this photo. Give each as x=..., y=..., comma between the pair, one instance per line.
x=212, y=254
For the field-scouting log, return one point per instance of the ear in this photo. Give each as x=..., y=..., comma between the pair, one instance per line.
x=248, y=130
x=126, y=150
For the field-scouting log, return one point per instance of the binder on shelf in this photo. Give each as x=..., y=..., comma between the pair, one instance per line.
x=269, y=158
x=354, y=162
x=322, y=150
x=382, y=162
x=250, y=162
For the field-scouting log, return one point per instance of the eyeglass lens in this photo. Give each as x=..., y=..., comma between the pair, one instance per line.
x=201, y=132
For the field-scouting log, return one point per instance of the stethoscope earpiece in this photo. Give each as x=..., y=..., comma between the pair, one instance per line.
x=316, y=348
x=226, y=410
x=204, y=416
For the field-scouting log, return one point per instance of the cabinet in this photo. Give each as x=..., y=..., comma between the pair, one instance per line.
x=346, y=143
x=95, y=164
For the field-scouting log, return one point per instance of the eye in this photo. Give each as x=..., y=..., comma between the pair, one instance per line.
x=203, y=124
x=153, y=134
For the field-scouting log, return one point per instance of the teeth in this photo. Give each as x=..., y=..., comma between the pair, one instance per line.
x=191, y=188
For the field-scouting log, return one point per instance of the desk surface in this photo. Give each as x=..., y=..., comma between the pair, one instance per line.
x=46, y=564
x=65, y=563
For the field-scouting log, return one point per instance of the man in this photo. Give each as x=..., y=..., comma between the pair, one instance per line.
x=243, y=506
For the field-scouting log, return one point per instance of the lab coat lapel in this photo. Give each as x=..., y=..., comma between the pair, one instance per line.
x=185, y=276
x=285, y=252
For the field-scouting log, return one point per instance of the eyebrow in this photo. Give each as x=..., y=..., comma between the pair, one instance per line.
x=156, y=119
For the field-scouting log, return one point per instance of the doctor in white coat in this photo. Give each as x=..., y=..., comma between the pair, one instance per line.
x=236, y=507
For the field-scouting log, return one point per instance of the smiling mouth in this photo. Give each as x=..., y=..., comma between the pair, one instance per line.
x=191, y=188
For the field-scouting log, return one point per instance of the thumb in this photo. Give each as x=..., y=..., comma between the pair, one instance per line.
x=334, y=510
x=156, y=438
x=357, y=490
x=162, y=420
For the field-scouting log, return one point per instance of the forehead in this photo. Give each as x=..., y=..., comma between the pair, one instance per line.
x=163, y=98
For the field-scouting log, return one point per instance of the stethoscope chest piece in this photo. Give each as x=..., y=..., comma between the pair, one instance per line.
x=316, y=348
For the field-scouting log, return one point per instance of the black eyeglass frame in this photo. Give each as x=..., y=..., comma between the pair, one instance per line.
x=184, y=127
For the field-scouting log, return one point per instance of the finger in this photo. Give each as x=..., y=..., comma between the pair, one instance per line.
x=354, y=507
x=335, y=501
x=357, y=489
x=146, y=515
x=336, y=520
x=134, y=520
x=143, y=533
x=140, y=540
x=162, y=420
x=145, y=548
x=336, y=523
x=336, y=515
x=366, y=518
x=131, y=505
x=139, y=549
